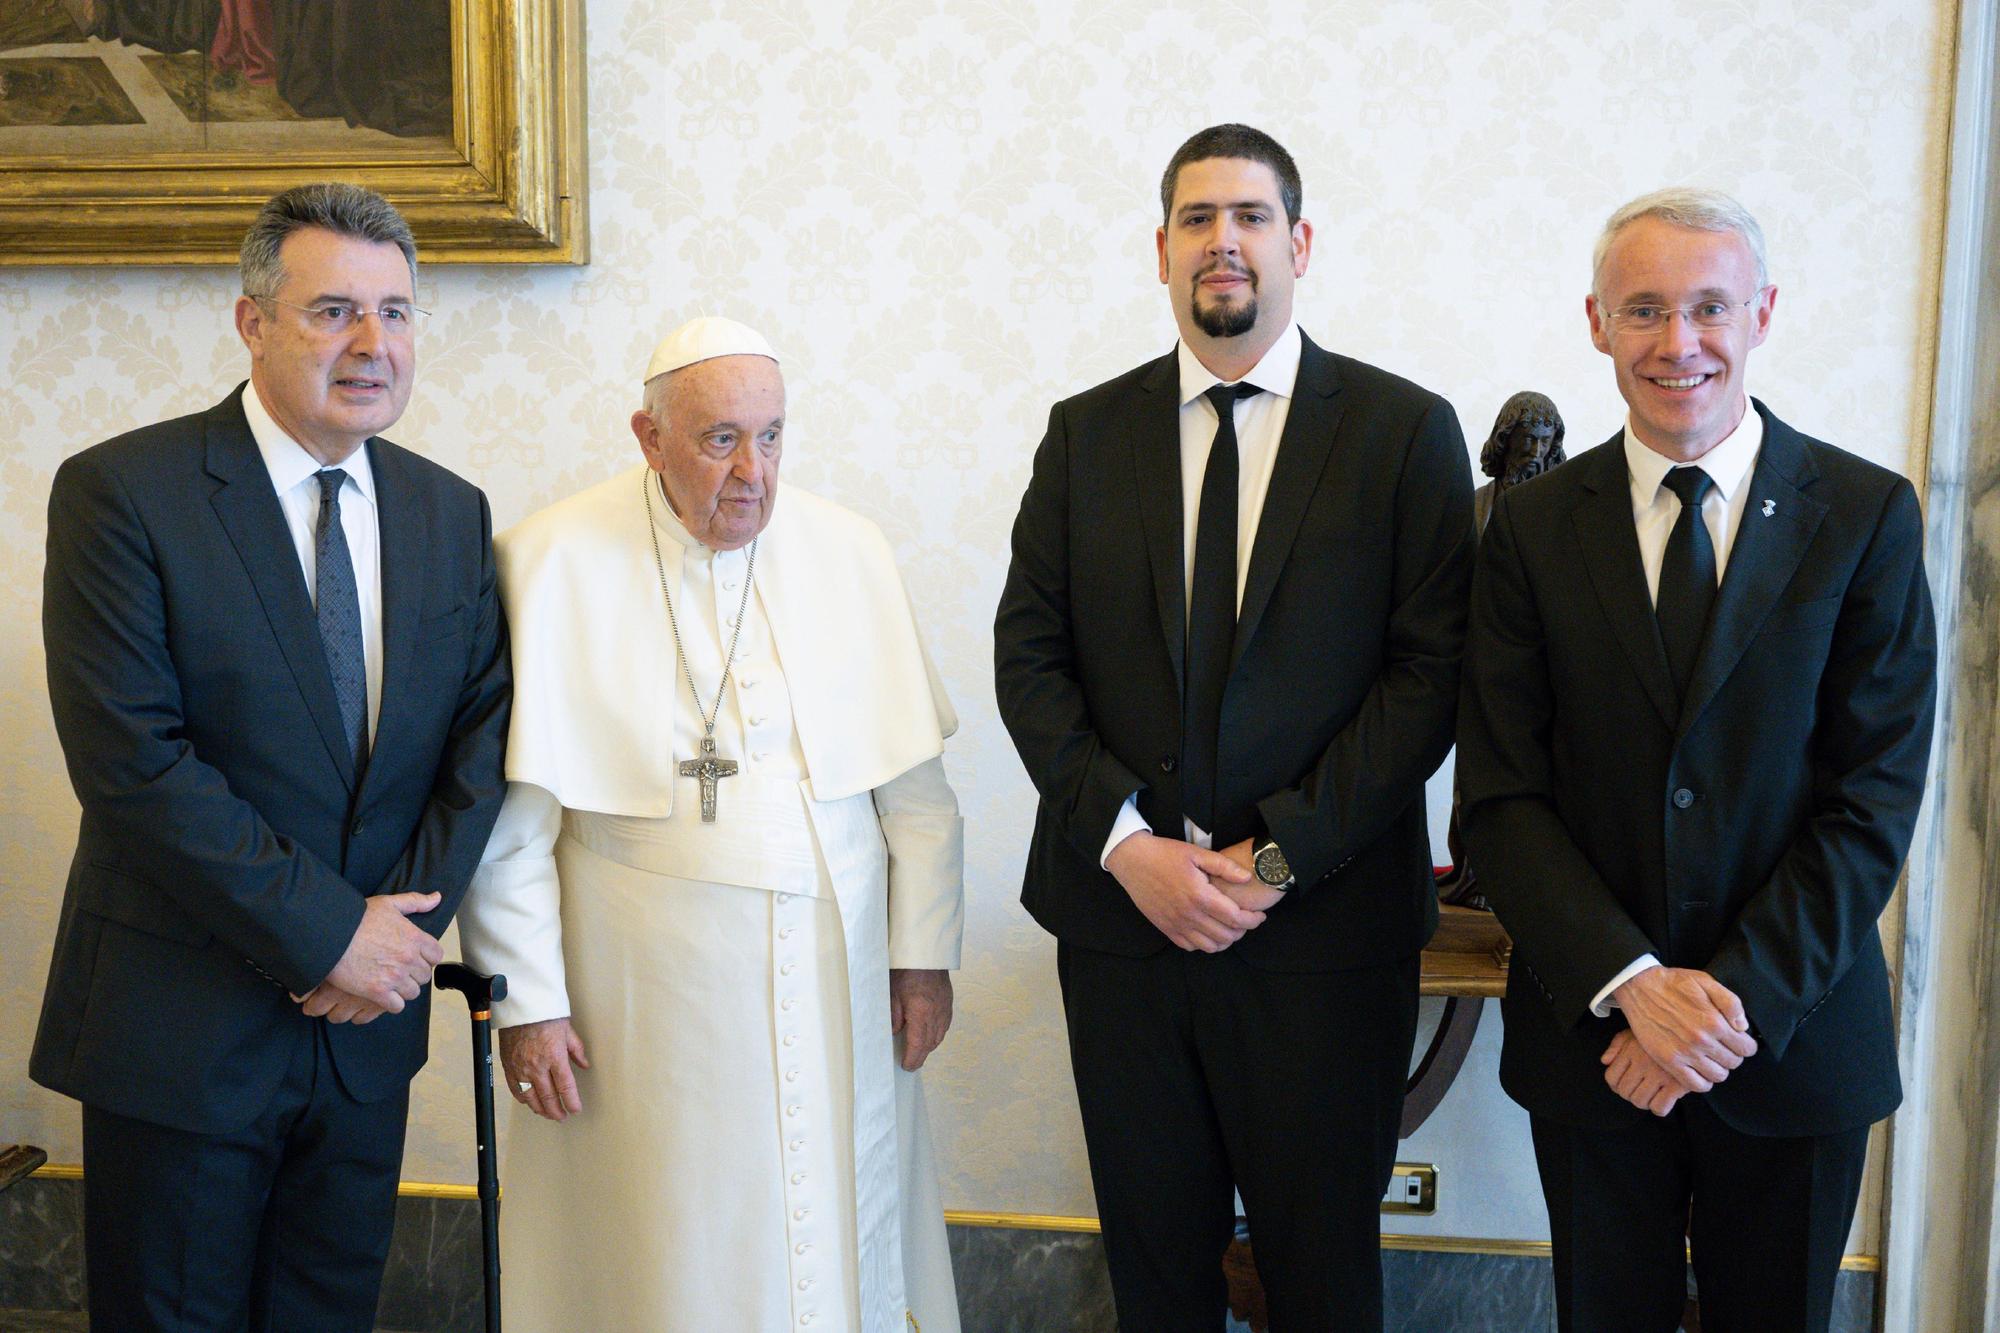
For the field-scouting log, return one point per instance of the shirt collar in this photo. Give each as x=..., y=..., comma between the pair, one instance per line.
x=1727, y=464
x=1276, y=373
x=286, y=459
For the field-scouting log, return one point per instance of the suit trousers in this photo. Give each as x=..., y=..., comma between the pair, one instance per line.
x=1196, y=1073
x=282, y=1225
x=1766, y=1220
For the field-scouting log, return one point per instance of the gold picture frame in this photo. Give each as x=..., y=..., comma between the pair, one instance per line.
x=508, y=187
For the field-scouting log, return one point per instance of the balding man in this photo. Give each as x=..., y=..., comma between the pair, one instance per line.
x=725, y=886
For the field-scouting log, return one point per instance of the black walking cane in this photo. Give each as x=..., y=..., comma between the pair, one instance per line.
x=480, y=992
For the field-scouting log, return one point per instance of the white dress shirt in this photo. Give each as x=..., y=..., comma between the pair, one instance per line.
x=1260, y=424
x=295, y=477
x=1655, y=509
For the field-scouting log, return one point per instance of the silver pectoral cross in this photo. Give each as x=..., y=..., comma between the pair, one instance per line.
x=710, y=770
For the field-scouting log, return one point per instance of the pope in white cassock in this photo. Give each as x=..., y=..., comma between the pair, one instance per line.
x=725, y=889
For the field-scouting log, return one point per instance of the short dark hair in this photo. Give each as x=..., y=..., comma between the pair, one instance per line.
x=335, y=206
x=1236, y=141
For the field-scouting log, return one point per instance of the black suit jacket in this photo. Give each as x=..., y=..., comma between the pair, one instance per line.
x=225, y=845
x=1343, y=682
x=1754, y=829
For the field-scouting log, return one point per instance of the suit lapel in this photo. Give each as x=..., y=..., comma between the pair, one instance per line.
x=1609, y=545
x=1155, y=434
x=247, y=508
x=404, y=548
x=1303, y=449
x=1763, y=556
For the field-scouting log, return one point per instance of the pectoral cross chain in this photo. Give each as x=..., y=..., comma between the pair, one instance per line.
x=710, y=770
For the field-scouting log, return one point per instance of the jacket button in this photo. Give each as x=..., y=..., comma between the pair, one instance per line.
x=1168, y=763
x=355, y=830
x=1683, y=798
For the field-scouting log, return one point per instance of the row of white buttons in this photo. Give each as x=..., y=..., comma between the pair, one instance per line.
x=788, y=1038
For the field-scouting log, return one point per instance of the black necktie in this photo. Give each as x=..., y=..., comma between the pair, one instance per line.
x=1211, y=629
x=338, y=605
x=1687, y=577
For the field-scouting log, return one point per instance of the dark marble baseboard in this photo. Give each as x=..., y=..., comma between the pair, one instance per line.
x=1010, y=1280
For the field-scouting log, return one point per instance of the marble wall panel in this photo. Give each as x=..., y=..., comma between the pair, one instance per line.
x=1010, y=1279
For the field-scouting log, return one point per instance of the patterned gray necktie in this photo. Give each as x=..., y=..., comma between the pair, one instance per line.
x=338, y=604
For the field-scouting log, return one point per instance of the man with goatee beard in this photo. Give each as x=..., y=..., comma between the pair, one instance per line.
x=1228, y=652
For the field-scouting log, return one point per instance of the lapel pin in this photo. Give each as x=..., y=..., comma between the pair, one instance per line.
x=1770, y=508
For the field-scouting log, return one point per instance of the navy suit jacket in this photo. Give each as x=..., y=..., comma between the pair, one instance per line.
x=1343, y=677
x=1754, y=829
x=226, y=845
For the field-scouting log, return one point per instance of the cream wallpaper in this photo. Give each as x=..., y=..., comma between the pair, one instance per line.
x=941, y=212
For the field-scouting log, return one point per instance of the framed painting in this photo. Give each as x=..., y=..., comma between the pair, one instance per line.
x=148, y=131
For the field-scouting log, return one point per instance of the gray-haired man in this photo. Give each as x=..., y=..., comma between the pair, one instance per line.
x=1697, y=708
x=280, y=678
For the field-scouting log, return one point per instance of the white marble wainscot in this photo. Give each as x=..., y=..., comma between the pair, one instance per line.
x=1942, y=1253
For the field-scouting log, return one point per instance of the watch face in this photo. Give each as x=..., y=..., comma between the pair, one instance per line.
x=1272, y=867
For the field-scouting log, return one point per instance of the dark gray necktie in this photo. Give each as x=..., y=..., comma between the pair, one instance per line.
x=1687, y=577
x=338, y=604
x=1211, y=628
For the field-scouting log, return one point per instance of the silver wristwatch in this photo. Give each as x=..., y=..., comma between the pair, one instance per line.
x=1273, y=870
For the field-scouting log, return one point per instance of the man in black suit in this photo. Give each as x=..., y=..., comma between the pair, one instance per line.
x=279, y=674
x=1228, y=653
x=1689, y=802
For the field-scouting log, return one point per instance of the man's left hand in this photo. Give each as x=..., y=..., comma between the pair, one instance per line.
x=335, y=1005
x=920, y=1009
x=1637, y=1077
x=1255, y=896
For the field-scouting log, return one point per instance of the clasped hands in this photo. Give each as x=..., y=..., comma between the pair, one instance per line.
x=1686, y=1031
x=385, y=966
x=1199, y=899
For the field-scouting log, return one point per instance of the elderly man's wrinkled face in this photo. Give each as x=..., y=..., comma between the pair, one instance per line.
x=715, y=441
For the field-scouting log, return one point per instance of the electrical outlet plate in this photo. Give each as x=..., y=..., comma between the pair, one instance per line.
x=1412, y=1189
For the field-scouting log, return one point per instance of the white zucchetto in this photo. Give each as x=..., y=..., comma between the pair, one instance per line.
x=703, y=339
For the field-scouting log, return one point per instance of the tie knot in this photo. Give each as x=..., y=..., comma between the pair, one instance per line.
x=1691, y=484
x=1223, y=397
x=330, y=481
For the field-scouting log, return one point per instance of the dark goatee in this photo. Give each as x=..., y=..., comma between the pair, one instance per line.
x=1226, y=321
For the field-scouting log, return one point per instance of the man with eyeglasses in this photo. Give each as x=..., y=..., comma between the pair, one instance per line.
x=1698, y=697
x=280, y=677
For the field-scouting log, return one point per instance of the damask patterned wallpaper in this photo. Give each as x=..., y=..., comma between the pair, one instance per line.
x=941, y=213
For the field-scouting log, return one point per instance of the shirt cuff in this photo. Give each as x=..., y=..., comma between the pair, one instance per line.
x=1129, y=821
x=1603, y=1004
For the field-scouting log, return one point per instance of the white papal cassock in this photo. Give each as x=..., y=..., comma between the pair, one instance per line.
x=749, y=1155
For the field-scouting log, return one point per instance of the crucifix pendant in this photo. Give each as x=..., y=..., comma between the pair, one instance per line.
x=710, y=770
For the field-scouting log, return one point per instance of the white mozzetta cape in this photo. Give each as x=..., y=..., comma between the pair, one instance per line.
x=594, y=660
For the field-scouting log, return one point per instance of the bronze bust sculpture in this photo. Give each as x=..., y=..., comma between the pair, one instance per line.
x=1527, y=440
